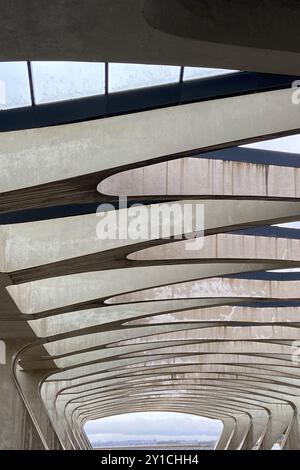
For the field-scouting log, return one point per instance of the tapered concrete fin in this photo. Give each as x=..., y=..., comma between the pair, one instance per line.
x=280, y=418
x=259, y=424
x=229, y=425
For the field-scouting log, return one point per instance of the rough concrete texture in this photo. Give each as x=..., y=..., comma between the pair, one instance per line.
x=188, y=32
x=99, y=327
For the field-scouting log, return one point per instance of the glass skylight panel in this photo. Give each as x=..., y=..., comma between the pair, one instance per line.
x=287, y=270
x=14, y=85
x=58, y=81
x=295, y=225
x=129, y=76
x=290, y=144
x=192, y=73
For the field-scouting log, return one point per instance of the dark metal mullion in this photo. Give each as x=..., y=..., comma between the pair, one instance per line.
x=180, y=84
x=106, y=87
x=106, y=78
x=181, y=74
x=31, y=83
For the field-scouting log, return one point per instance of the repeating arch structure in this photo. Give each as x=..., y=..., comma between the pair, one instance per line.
x=118, y=325
x=95, y=323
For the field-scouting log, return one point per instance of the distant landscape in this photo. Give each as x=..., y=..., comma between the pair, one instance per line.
x=155, y=444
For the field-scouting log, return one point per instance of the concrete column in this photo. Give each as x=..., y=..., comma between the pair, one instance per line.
x=240, y=433
x=55, y=405
x=229, y=425
x=292, y=439
x=17, y=430
x=259, y=425
x=280, y=419
x=29, y=383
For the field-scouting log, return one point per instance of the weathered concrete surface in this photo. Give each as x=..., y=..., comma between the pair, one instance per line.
x=154, y=31
x=18, y=430
x=115, y=326
x=229, y=424
x=195, y=176
x=178, y=130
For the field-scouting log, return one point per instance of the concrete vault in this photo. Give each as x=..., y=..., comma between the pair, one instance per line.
x=93, y=327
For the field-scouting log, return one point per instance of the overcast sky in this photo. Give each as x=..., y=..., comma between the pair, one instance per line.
x=289, y=144
x=153, y=425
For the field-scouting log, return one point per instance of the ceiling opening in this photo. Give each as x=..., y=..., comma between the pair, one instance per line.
x=159, y=430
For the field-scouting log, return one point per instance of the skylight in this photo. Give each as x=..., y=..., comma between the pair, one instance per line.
x=290, y=144
x=192, y=73
x=58, y=81
x=130, y=76
x=14, y=85
x=24, y=84
x=287, y=270
x=288, y=225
